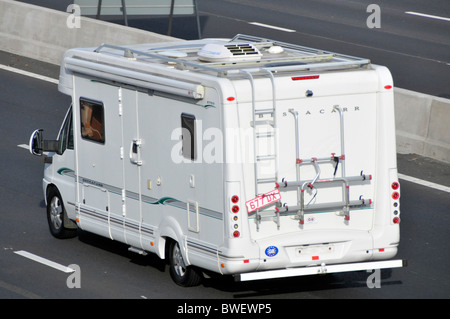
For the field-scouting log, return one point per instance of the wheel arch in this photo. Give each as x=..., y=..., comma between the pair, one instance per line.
x=68, y=223
x=47, y=191
x=170, y=230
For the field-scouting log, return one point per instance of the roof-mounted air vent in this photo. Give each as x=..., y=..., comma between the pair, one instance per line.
x=231, y=52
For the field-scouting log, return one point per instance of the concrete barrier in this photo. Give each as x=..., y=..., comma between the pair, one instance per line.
x=422, y=124
x=423, y=121
x=45, y=34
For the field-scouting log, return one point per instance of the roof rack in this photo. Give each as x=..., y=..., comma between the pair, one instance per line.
x=293, y=57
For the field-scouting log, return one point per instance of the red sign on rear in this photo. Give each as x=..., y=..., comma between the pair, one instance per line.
x=263, y=200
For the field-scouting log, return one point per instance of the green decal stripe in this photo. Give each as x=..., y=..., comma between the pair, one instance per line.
x=65, y=170
x=163, y=201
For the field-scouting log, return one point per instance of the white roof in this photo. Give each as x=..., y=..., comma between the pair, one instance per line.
x=211, y=57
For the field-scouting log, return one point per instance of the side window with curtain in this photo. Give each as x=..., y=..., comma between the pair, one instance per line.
x=92, y=120
x=189, y=149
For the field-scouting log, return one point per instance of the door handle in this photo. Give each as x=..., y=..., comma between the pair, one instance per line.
x=135, y=153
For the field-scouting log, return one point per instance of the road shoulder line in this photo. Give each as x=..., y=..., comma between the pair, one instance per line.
x=30, y=74
x=424, y=183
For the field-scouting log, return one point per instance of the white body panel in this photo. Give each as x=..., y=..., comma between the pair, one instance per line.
x=137, y=187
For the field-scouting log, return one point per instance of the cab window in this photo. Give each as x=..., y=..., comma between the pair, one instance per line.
x=66, y=134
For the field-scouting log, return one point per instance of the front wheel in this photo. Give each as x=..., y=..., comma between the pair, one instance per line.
x=182, y=275
x=55, y=216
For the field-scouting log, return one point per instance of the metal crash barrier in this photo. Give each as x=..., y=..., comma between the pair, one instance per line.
x=140, y=7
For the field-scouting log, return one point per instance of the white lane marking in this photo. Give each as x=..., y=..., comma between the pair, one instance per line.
x=424, y=183
x=427, y=15
x=44, y=261
x=271, y=26
x=30, y=74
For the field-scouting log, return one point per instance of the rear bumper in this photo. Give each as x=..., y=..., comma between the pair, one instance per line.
x=323, y=269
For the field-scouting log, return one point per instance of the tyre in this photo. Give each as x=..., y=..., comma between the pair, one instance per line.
x=182, y=275
x=55, y=216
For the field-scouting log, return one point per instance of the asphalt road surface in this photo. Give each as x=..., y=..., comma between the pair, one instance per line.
x=108, y=270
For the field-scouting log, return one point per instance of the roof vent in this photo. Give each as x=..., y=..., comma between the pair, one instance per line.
x=231, y=52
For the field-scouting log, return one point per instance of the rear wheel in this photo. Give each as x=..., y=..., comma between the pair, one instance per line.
x=56, y=214
x=182, y=275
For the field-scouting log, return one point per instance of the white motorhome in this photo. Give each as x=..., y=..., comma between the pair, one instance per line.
x=245, y=157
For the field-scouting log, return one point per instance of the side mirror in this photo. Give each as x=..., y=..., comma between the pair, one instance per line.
x=38, y=145
x=35, y=144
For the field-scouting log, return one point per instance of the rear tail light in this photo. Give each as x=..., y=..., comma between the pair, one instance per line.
x=235, y=209
x=395, y=186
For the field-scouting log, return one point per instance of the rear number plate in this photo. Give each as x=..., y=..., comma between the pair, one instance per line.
x=263, y=200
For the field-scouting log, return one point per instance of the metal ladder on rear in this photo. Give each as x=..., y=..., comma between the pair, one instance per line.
x=269, y=136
